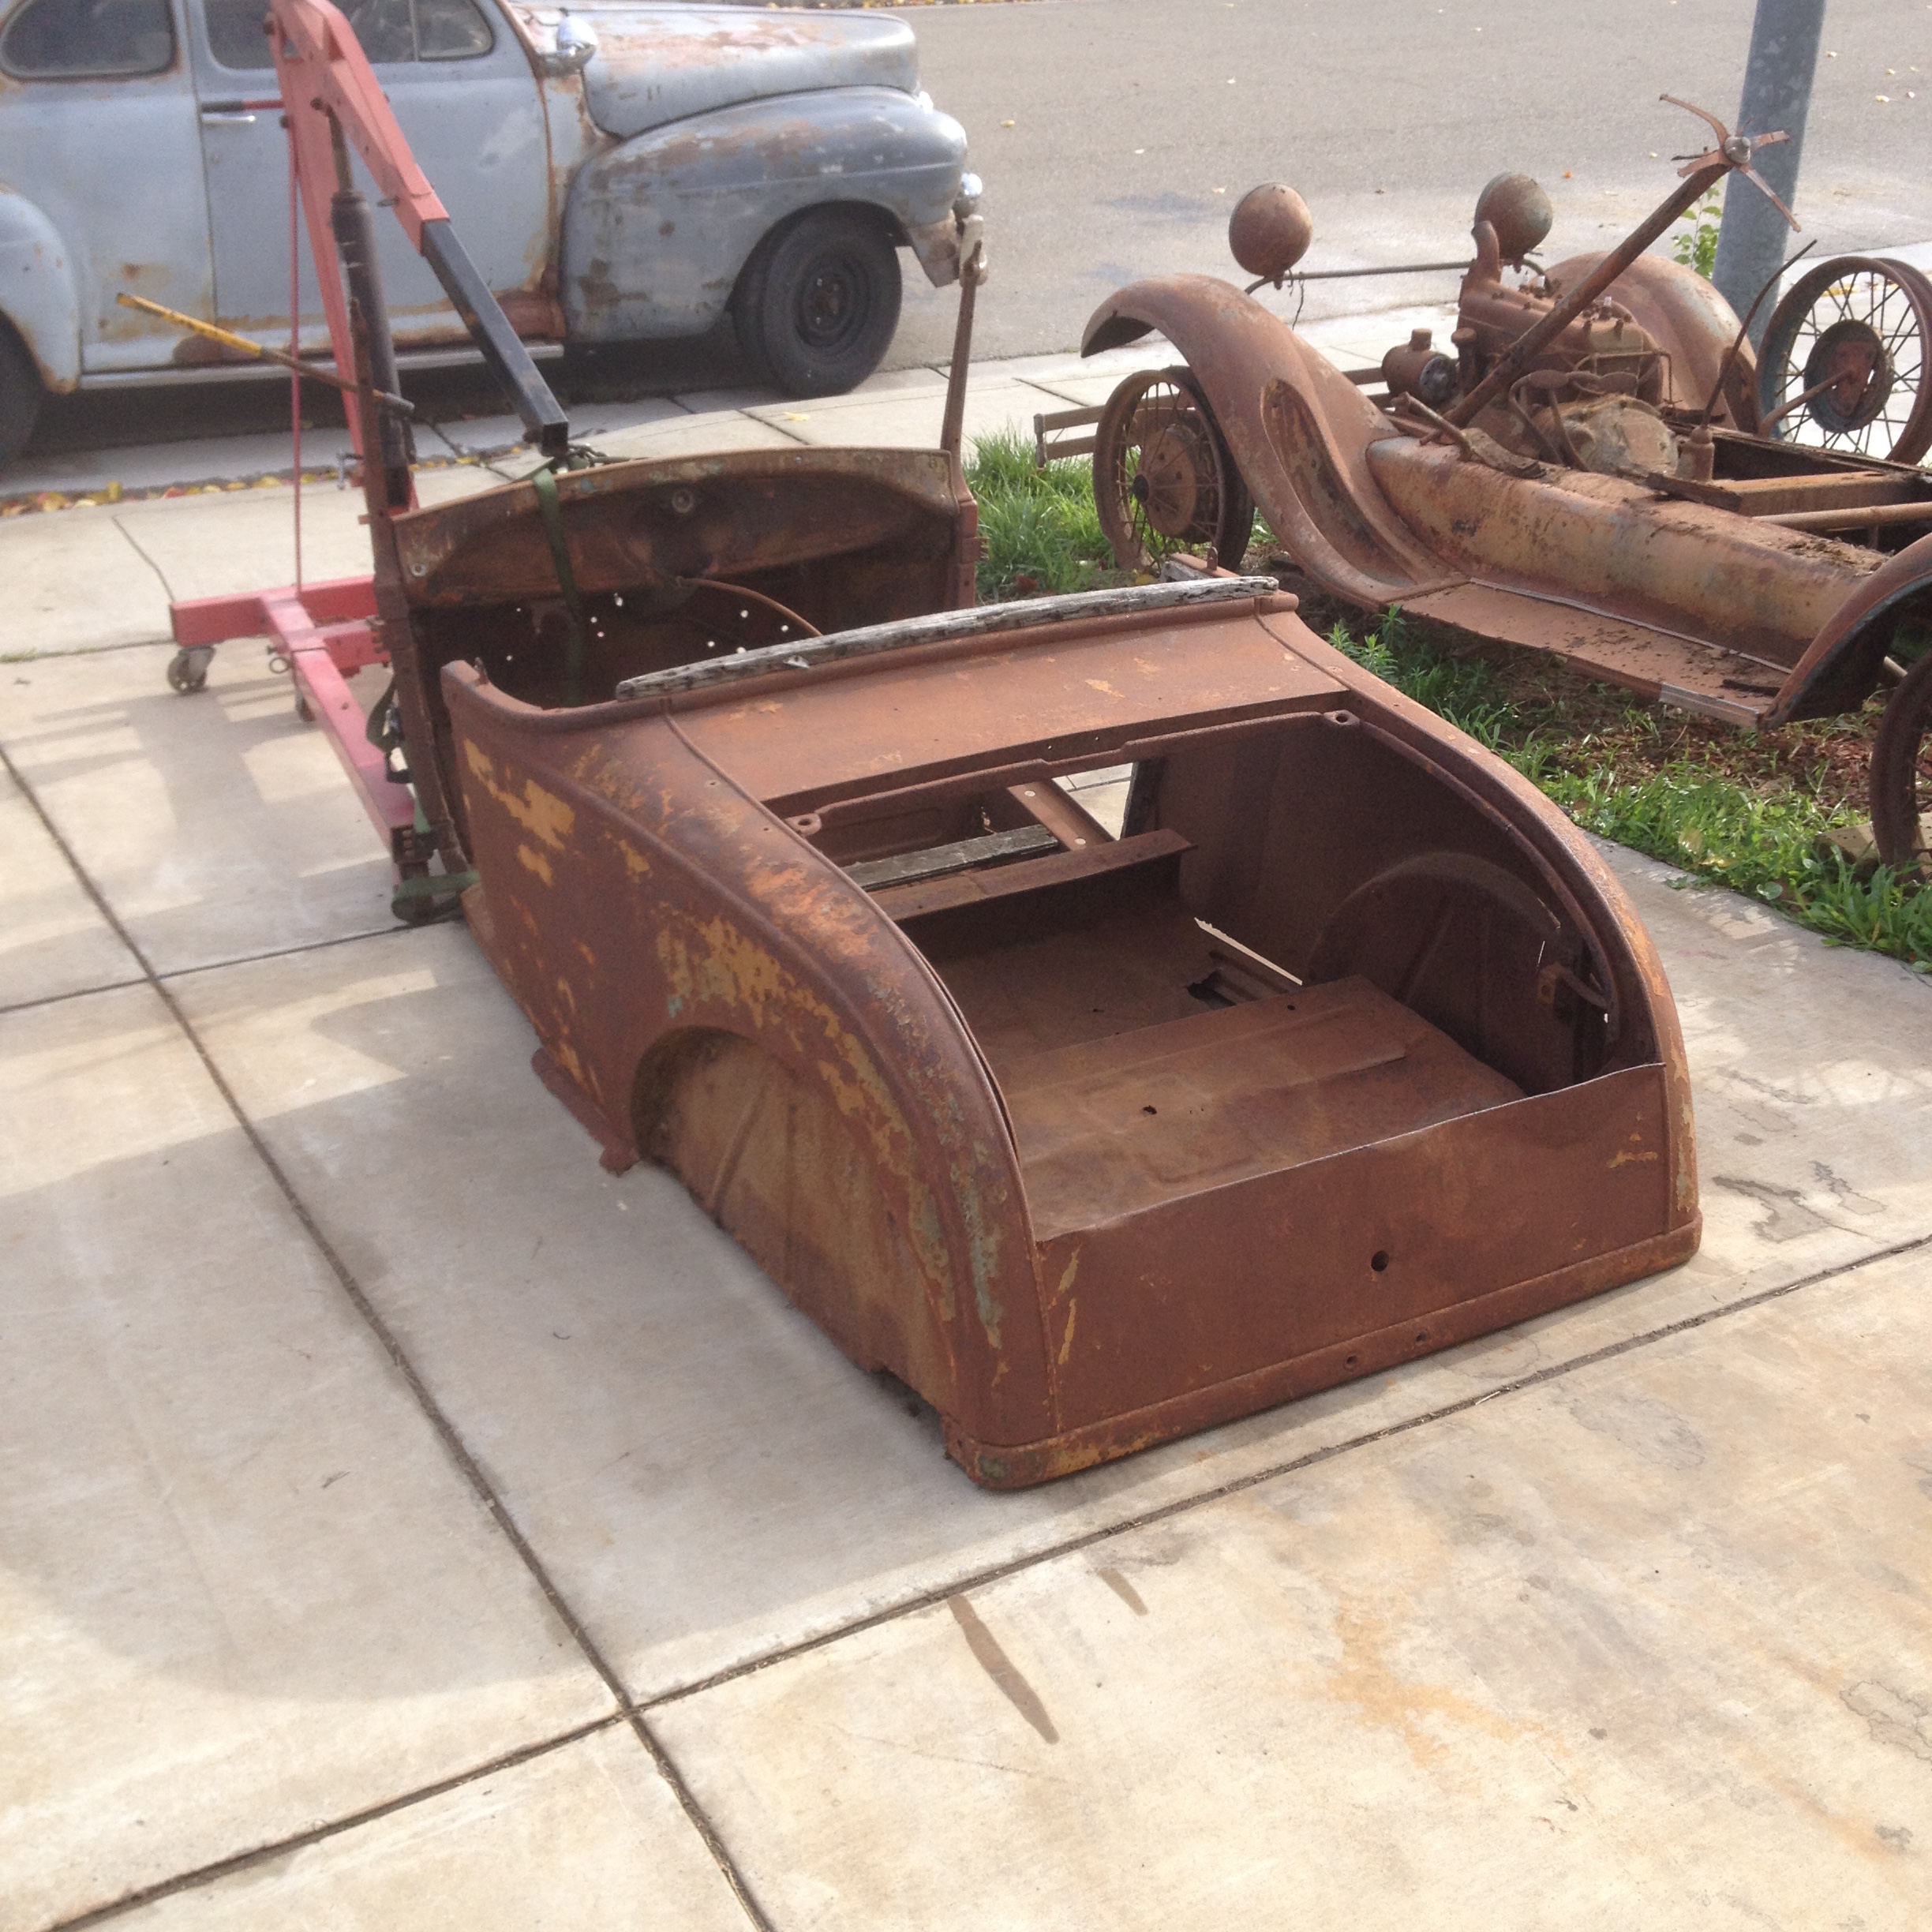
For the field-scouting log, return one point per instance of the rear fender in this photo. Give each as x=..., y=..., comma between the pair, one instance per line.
x=721, y=993
x=658, y=228
x=1299, y=429
x=37, y=293
x=1841, y=668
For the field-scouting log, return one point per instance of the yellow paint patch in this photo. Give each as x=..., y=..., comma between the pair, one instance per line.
x=1101, y=684
x=636, y=865
x=1628, y=1155
x=533, y=861
x=541, y=813
x=1066, y=1340
x=1065, y=1285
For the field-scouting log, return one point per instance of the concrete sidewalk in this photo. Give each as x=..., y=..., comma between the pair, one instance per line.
x=406, y=1523
x=1003, y=394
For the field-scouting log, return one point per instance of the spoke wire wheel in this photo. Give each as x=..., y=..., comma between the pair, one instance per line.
x=1862, y=327
x=1901, y=774
x=1164, y=480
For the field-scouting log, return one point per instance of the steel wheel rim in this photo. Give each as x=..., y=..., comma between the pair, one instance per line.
x=1871, y=319
x=831, y=308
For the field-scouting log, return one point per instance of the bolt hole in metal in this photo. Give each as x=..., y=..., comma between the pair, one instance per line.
x=1379, y=1260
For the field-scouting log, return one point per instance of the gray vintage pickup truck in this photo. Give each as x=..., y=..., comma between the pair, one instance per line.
x=617, y=171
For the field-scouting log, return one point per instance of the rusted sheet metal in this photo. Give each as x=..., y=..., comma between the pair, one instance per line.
x=885, y=515
x=1348, y=1048
x=1299, y=429
x=1761, y=590
x=1843, y=660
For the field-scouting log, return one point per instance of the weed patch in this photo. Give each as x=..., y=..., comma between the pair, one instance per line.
x=1038, y=531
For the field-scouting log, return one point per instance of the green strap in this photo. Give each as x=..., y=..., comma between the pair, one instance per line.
x=552, y=513
x=436, y=886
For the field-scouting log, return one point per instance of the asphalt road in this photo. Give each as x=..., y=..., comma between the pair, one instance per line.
x=1113, y=136
x=1135, y=124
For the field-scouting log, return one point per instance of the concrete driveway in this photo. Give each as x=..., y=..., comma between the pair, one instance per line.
x=405, y=1523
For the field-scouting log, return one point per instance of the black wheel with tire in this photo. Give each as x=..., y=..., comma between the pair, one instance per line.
x=20, y=395
x=816, y=306
x=1901, y=773
x=187, y=669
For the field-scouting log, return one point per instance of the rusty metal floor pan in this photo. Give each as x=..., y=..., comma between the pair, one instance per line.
x=1141, y=1061
x=1111, y=1127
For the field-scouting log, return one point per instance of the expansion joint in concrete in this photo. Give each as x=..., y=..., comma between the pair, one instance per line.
x=445, y=1430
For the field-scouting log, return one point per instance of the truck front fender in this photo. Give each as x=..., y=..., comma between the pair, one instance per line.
x=37, y=293
x=1299, y=429
x=658, y=228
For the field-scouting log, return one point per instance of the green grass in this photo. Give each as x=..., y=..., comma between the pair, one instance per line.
x=1742, y=810
x=1037, y=532
x=1729, y=818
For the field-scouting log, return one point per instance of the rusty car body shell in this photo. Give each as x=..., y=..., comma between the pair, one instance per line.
x=1348, y=1047
x=1689, y=592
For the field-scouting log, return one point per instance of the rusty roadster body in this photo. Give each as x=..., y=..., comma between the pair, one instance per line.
x=1336, y=1045
x=1342, y=1047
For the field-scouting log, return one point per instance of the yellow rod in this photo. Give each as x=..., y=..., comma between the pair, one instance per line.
x=261, y=350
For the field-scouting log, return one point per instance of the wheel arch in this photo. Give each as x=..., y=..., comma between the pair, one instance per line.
x=38, y=300
x=1845, y=661
x=647, y=921
x=658, y=229
x=1299, y=429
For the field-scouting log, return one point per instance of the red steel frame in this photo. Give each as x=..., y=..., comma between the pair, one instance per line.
x=325, y=631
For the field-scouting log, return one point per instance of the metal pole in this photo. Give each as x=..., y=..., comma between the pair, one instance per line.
x=1777, y=93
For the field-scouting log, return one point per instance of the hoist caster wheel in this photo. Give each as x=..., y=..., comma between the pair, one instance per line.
x=187, y=669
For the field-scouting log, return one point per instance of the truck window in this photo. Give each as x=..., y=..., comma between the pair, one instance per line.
x=76, y=40
x=390, y=31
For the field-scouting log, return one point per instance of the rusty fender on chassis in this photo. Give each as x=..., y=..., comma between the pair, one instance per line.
x=1721, y=609
x=1348, y=1048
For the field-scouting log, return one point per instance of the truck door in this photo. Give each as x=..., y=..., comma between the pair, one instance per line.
x=465, y=98
x=99, y=126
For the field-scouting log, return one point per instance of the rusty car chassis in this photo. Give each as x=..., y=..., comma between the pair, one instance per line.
x=1585, y=478
x=1339, y=1046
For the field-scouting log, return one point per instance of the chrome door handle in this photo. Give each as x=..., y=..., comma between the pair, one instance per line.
x=220, y=117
